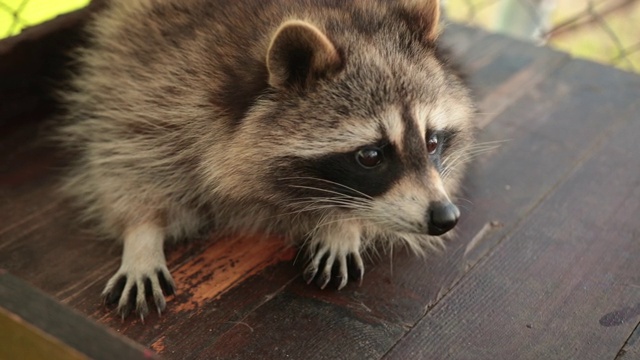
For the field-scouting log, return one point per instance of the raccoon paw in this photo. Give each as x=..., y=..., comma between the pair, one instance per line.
x=130, y=288
x=346, y=264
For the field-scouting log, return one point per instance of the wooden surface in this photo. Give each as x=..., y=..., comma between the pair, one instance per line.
x=35, y=326
x=545, y=264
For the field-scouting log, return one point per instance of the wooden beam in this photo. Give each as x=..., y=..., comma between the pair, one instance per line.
x=35, y=326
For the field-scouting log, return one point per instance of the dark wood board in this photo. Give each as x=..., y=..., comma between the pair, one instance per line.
x=39, y=327
x=295, y=327
x=564, y=284
x=631, y=349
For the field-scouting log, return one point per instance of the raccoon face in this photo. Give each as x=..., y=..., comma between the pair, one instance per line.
x=372, y=133
x=399, y=180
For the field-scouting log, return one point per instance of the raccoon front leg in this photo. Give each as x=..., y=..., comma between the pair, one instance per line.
x=338, y=246
x=143, y=272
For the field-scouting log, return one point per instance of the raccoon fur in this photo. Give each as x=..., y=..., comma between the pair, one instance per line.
x=333, y=123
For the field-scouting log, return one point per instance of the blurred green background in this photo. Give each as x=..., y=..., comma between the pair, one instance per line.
x=607, y=31
x=18, y=14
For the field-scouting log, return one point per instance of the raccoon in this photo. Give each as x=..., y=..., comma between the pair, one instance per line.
x=335, y=124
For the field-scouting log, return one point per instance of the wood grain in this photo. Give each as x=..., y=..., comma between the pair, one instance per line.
x=295, y=327
x=631, y=349
x=562, y=284
x=39, y=326
x=20, y=340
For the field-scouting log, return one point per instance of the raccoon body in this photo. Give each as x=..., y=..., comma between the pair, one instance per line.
x=334, y=123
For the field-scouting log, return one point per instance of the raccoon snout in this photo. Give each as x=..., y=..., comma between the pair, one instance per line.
x=442, y=217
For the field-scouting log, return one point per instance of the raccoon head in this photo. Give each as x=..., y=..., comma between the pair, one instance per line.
x=363, y=121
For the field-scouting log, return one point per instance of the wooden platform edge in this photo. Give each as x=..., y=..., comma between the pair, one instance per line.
x=41, y=327
x=631, y=348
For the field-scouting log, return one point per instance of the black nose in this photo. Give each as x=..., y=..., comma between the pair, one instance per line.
x=443, y=216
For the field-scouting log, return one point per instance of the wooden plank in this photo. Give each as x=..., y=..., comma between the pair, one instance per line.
x=552, y=121
x=20, y=340
x=50, y=251
x=25, y=174
x=37, y=325
x=631, y=349
x=562, y=285
x=196, y=329
x=206, y=278
x=294, y=326
x=503, y=69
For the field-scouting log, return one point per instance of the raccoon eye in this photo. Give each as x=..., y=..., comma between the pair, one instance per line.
x=432, y=144
x=369, y=157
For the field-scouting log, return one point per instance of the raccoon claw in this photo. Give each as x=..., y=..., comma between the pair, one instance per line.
x=342, y=266
x=355, y=267
x=309, y=274
x=130, y=290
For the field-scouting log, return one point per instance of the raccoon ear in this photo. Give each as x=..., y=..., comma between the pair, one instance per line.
x=423, y=16
x=299, y=55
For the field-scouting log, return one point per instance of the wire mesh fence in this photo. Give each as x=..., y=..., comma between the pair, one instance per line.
x=607, y=31
x=15, y=15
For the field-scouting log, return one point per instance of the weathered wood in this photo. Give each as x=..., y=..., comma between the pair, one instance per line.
x=563, y=284
x=32, y=325
x=296, y=327
x=631, y=349
x=203, y=283
x=503, y=69
x=185, y=337
x=20, y=340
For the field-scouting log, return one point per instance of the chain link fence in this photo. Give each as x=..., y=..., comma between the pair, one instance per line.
x=15, y=15
x=607, y=31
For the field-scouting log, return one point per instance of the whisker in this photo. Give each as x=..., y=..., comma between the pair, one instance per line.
x=329, y=182
x=460, y=158
x=318, y=189
x=490, y=142
x=464, y=199
x=334, y=202
x=377, y=218
x=330, y=200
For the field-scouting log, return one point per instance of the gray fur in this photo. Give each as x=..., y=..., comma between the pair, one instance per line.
x=181, y=122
